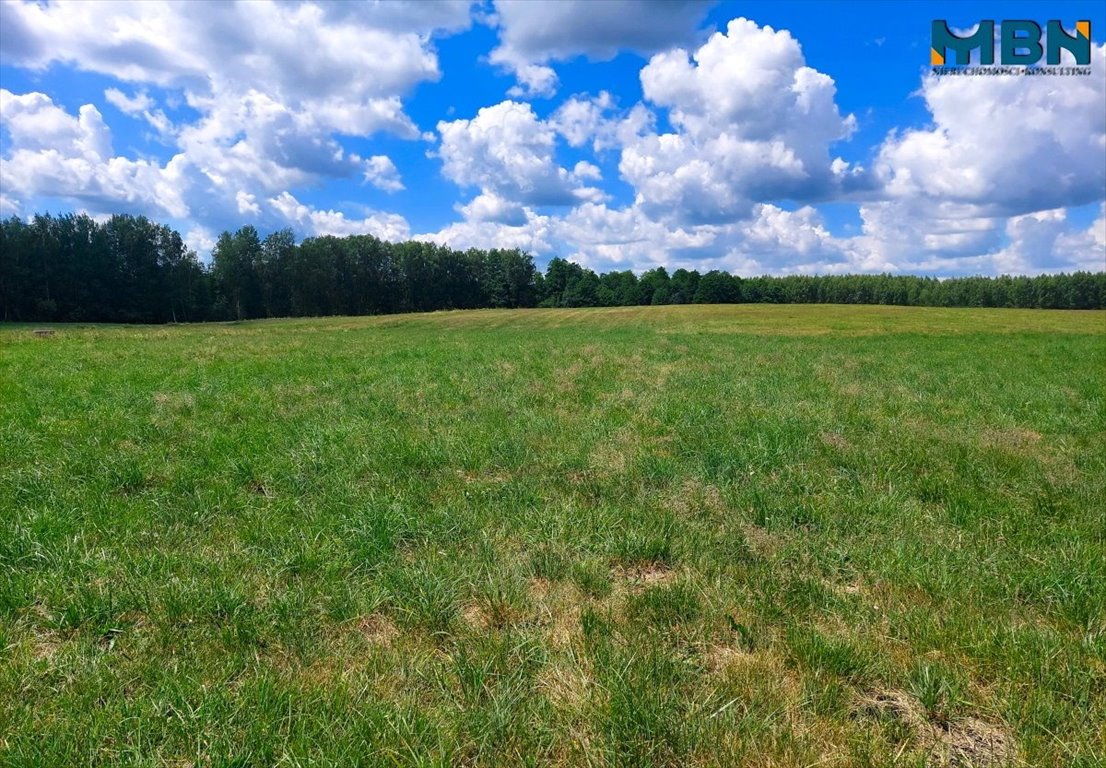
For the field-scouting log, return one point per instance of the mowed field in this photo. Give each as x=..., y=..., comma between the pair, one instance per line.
x=741, y=535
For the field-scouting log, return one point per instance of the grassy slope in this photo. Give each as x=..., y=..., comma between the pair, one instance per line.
x=745, y=535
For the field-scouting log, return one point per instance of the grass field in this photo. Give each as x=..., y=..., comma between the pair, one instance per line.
x=747, y=535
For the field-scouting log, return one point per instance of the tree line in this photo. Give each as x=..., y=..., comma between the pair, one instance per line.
x=128, y=269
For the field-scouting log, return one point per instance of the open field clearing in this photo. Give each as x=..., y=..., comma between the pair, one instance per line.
x=739, y=535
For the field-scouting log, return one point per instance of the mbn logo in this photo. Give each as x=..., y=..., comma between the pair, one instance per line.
x=1020, y=43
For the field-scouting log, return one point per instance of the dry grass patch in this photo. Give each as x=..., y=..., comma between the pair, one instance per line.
x=695, y=496
x=851, y=589
x=566, y=378
x=968, y=742
x=567, y=683
x=1028, y=444
x=175, y=401
x=834, y=440
x=717, y=659
x=487, y=476
x=974, y=743
x=762, y=542
x=377, y=630
x=764, y=676
x=475, y=617
x=45, y=644
x=634, y=579
x=351, y=649
x=556, y=608
x=614, y=456
x=1016, y=440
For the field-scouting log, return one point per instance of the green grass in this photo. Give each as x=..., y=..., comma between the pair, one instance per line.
x=750, y=535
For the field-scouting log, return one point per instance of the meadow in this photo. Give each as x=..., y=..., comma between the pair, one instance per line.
x=743, y=535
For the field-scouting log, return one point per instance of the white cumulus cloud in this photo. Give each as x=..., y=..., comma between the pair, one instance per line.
x=382, y=173
x=1010, y=145
x=490, y=207
x=534, y=234
x=508, y=152
x=386, y=226
x=752, y=123
x=533, y=34
x=986, y=187
x=277, y=88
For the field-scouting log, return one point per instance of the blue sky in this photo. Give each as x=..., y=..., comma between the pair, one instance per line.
x=756, y=137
